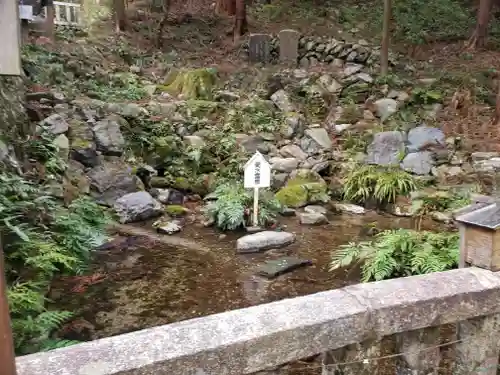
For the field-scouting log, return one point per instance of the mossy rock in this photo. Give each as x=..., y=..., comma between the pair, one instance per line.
x=175, y=210
x=182, y=183
x=159, y=182
x=193, y=84
x=304, y=188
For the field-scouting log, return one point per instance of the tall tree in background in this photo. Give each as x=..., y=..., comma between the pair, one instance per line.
x=119, y=14
x=240, y=20
x=226, y=7
x=478, y=38
x=384, y=52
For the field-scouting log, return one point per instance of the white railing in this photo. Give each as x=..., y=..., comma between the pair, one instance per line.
x=67, y=14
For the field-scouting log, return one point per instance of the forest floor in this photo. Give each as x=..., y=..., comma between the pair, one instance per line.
x=430, y=36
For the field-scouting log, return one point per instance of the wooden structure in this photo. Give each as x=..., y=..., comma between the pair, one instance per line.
x=480, y=237
x=10, y=57
x=67, y=14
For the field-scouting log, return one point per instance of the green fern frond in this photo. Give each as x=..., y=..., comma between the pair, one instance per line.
x=400, y=252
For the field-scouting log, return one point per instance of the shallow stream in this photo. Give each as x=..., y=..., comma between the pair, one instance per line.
x=146, y=283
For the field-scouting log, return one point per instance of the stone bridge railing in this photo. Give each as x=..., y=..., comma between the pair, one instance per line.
x=343, y=325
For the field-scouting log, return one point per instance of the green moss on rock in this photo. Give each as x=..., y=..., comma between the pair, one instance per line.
x=175, y=210
x=193, y=84
x=304, y=187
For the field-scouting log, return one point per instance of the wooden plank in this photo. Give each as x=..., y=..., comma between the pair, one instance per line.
x=10, y=58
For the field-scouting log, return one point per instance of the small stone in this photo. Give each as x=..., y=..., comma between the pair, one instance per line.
x=293, y=151
x=256, y=242
x=443, y=217
x=284, y=164
x=314, y=209
x=316, y=140
x=418, y=162
x=340, y=128
x=62, y=144
x=194, y=141
x=282, y=100
x=350, y=208
x=170, y=227
x=385, y=107
x=55, y=124
x=351, y=69
x=314, y=218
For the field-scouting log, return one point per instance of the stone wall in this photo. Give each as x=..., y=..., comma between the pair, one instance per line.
x=248, y=340
x=314, y=49
x=13, y=119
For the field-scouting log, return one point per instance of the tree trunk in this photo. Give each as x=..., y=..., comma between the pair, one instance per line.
x=226, y=7
x=384, y=52
x=240, y=20
x=163, y=23
x=120, y=16
x=497, y=104
x=478, y=38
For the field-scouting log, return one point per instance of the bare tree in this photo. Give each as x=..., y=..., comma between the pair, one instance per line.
x=240, y=20
x=384, y=52
x=120, y=15
x=496, y=119
x=163, y=23
x=226, y=7
x=478, y=38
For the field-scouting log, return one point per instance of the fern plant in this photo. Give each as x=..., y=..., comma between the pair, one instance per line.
x=382, y=185
x=42, y=238
x=399, y=253
x=230, y=206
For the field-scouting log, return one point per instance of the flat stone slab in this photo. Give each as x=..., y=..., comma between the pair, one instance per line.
x=276, y=267
x=253, y=243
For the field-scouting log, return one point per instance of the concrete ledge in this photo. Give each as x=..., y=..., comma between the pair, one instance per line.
x=252, y=339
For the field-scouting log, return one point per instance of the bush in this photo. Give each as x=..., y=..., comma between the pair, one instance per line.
x=382, y=185
x=399, y=253
x=416, y=21
x=41, y=239
x=232, y=208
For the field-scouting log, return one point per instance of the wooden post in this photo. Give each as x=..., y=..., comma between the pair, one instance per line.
x=256, y=207
x=49, y=21
x=7, y=354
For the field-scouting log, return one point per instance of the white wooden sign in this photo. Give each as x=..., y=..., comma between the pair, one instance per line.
x=257, y=175
x=257, y=172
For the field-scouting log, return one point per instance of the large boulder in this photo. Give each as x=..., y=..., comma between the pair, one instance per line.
x=112, y=180
x=387, y=148
x=424, y=136
x=108, y=136
x=304, y=187
x=137, y=206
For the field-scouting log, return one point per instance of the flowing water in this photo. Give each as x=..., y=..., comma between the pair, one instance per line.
x=147, y=283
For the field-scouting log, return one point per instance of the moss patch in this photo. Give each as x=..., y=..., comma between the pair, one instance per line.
x=175, y=210
x=192, y=84
x=304, y=188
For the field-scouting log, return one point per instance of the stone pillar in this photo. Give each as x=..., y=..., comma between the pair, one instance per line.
x=421, y=354
x=289, y=46
x=259, y=48
x=477, y=353
x=355, y=358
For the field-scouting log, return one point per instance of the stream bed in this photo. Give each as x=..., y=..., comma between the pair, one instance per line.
x=140, y=283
